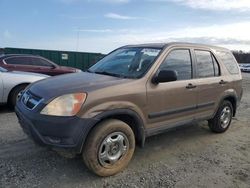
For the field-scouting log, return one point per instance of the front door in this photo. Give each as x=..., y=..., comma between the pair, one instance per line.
x=173, y=103
x=42, y=66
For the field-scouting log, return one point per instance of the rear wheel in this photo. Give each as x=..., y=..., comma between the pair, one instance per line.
x=14, y=94
x=222, y=120
x=109, y=147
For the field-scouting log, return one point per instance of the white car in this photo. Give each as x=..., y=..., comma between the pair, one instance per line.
x=245, y=68
x=13, y=82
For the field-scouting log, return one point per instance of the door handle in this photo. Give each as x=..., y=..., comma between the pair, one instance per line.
x=222, y=82
x=190, y=86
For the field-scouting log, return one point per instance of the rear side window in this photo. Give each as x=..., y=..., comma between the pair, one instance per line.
x=207, y=65
x=18, y=61
x=179, y=61
x=229, y=61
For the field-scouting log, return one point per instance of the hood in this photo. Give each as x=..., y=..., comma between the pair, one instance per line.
x=71, y=83
x=28, y=74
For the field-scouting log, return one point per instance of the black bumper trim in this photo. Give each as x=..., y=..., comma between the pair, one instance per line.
x=67, y=132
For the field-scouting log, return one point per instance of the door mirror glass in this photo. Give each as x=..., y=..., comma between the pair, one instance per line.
x=165, y=76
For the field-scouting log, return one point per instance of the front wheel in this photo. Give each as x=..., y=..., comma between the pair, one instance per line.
x=14, y=95
x=109, y=147
x=222, y=119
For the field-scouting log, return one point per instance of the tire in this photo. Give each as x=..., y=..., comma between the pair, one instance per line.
x=102, y=144
x=217, y=124
x=14, y=94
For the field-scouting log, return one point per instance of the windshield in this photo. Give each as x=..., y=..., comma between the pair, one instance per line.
x=126, y=62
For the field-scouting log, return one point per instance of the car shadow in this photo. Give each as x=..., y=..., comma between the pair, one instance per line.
x=5, y=109
x=157, y=148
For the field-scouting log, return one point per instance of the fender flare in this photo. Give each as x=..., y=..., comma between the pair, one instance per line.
x=139, y=124
x=232, y=95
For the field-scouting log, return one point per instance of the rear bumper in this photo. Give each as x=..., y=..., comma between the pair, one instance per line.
x=245, y=70
x=55, y=132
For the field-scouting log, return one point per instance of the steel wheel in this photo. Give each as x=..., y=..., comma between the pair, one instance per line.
x=225, y=116
x=109, y=147
x=113, y=148
x=222, y=119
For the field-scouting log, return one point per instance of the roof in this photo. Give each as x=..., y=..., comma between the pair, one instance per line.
x=21, y=55
x=165, y=45
x=149, y=45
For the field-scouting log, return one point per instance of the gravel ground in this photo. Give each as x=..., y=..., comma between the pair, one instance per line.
x=190, y=156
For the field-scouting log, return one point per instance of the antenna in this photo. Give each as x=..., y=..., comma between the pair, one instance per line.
x=77, y=39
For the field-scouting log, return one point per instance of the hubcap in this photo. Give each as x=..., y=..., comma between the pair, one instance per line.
x=19, y=95
x=225, y=117
x=113, y=148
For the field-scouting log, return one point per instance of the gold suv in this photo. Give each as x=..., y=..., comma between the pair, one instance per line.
x=134, y=92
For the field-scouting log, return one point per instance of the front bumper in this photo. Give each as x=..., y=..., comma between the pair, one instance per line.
x=52, y=131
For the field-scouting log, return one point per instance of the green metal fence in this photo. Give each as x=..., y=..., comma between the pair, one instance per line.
x=81, y=60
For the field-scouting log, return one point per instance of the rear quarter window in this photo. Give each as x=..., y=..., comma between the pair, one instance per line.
x=229, y=61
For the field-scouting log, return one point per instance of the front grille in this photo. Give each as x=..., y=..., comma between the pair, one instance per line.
x=30, y=100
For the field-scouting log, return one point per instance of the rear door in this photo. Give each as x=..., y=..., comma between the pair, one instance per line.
x=173, y=102
x=210, y=82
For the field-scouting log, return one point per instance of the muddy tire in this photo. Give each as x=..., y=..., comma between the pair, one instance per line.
x=109, y=147
x=14, y=94
x=222, y=119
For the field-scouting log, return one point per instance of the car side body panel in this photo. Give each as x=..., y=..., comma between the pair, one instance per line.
x=122, y=96
x=13, y=79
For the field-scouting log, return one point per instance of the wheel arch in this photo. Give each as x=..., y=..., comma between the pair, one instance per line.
x=231, y=98
x=129, y=117
x=233, y=101
x=16, y=86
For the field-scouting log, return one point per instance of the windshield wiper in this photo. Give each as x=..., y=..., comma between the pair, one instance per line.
x=110, y=74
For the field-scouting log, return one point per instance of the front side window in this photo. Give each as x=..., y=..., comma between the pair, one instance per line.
x=179, y=61
x=206, y=65
x=41, y=62
x=18, y=61
x=229, y=61
x=131, y=62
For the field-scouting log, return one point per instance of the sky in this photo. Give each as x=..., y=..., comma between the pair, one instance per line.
x=103, y=25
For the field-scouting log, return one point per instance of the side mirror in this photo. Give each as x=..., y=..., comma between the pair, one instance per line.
x=164, y=76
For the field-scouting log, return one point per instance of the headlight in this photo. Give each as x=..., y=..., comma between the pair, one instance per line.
x=65, y=105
